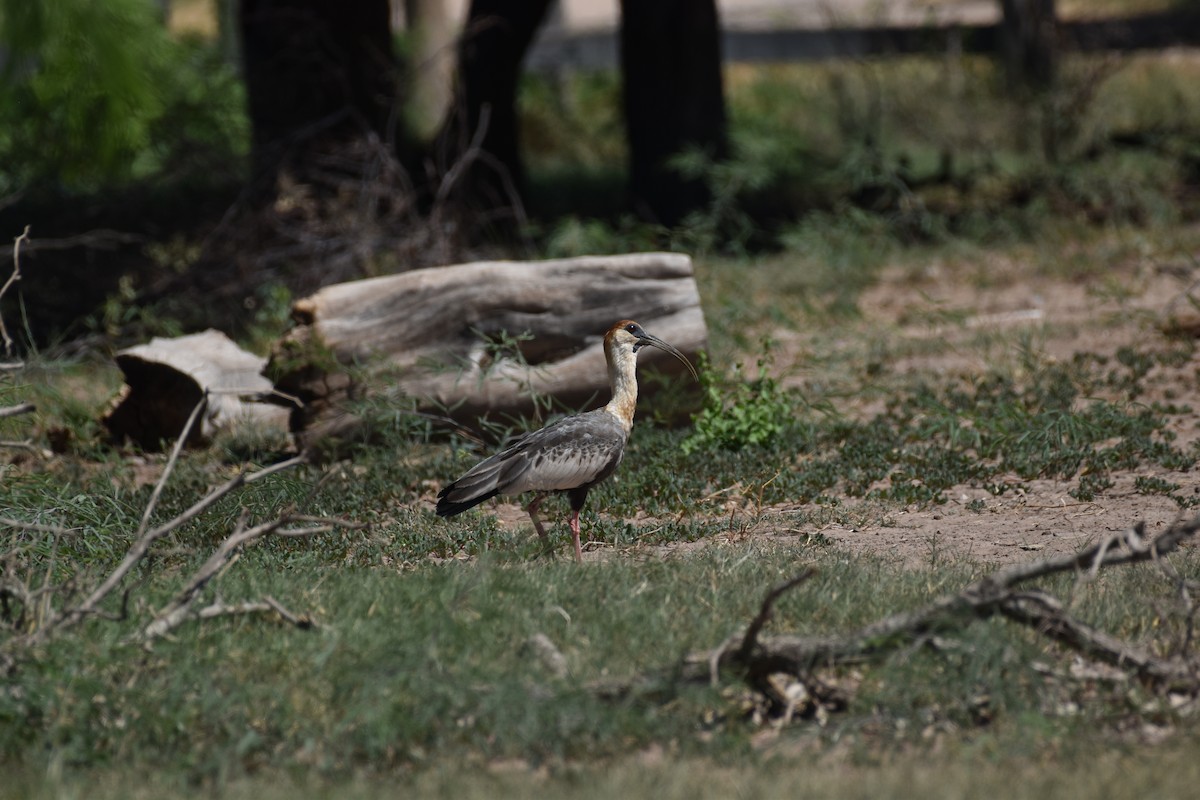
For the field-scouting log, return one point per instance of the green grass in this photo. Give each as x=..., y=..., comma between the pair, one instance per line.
x=1120, y=774
x=416, y=678
x=418, y=662
x=413, y=670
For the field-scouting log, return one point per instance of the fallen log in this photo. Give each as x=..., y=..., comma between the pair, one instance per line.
x=166, y=378
x=480, y=339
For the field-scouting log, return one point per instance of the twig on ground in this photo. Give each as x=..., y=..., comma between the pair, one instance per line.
x=266, y=605
x=26, y=444
x=146, y=537
x=764, y=613
x=13, y=278
x=17, y=410
x=21, y=525
x=140, y=547
x=754, y=657
x=179, y=610
x=172, y=459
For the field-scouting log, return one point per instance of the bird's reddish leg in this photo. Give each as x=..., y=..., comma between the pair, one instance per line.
x=575, y=536
x=537, y=523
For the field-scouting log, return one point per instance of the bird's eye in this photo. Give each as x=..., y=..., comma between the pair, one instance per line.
x=632, y=329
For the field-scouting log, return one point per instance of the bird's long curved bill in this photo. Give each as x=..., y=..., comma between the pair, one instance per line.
x=654, y=341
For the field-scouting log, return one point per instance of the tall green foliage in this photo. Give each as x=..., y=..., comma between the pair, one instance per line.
x=86, y=87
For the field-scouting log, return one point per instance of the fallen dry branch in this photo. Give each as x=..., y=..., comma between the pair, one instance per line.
x=141, y=546
x=180, y=609
x=29, y=616
x=17, y=410
x=8, y=284
x=760, y=660
x=268, y=605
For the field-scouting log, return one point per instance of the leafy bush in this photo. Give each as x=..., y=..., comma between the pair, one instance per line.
x=96, y=92
x=739, y=413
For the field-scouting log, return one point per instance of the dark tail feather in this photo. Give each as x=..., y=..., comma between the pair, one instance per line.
x=448, y=508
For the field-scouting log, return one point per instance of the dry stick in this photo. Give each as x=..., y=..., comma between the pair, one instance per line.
x=995, y=593
x=178, y=610
x=751, y=638
x=1185, y=588
x=1043, y=612
x=171, y=460
x=139, y=548
x=27, y=444
x=474, y=149
x=13, y=278
x=13, y=411
x=268, y=604
x=303, y=623
x=21, y=525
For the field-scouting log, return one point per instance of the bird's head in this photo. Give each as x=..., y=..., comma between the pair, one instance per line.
x=628, y=333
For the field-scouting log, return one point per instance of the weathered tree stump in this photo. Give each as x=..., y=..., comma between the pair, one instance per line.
x=165, y=379
x=480, y=339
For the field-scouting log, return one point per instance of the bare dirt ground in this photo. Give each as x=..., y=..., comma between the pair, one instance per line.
x=1065, y=316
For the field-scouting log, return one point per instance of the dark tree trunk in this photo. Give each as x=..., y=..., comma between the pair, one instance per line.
x=319, y=74
x=478, y=144
x=671, y=64
x=1028, y=42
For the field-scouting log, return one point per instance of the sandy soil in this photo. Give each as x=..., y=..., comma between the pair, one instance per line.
x=1067, y=316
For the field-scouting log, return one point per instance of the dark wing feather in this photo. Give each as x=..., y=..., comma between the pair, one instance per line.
x=575, y=451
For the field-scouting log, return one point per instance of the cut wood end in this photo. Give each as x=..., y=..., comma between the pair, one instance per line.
x=166, y=378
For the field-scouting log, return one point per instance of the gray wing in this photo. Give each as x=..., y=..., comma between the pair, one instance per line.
x=575, y=451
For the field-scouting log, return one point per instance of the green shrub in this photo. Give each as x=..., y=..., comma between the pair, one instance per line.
x=95, y=92
x=739, y=413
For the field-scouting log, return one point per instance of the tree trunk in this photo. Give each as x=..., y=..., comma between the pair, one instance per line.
x=479, y=138
x=319, y=74
x=432, y=31
x=671, y=64
x=1028, y=41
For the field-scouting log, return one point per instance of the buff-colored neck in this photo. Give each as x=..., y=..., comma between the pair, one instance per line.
x=622, y=377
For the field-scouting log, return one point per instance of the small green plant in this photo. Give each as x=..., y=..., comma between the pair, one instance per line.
x=1090, y=485
x=1144, y=484
x=740, y=413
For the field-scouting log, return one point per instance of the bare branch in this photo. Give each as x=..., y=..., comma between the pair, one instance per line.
x=753, y=656
x=139, y=548
x=266, y=606
x=27, y=444
x=9, y=522
x=1043, y=612
x=179, y=610
x=13, y=411
x=300, y=621
x=171, y=461
x=750, y=640
x=13, y=278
